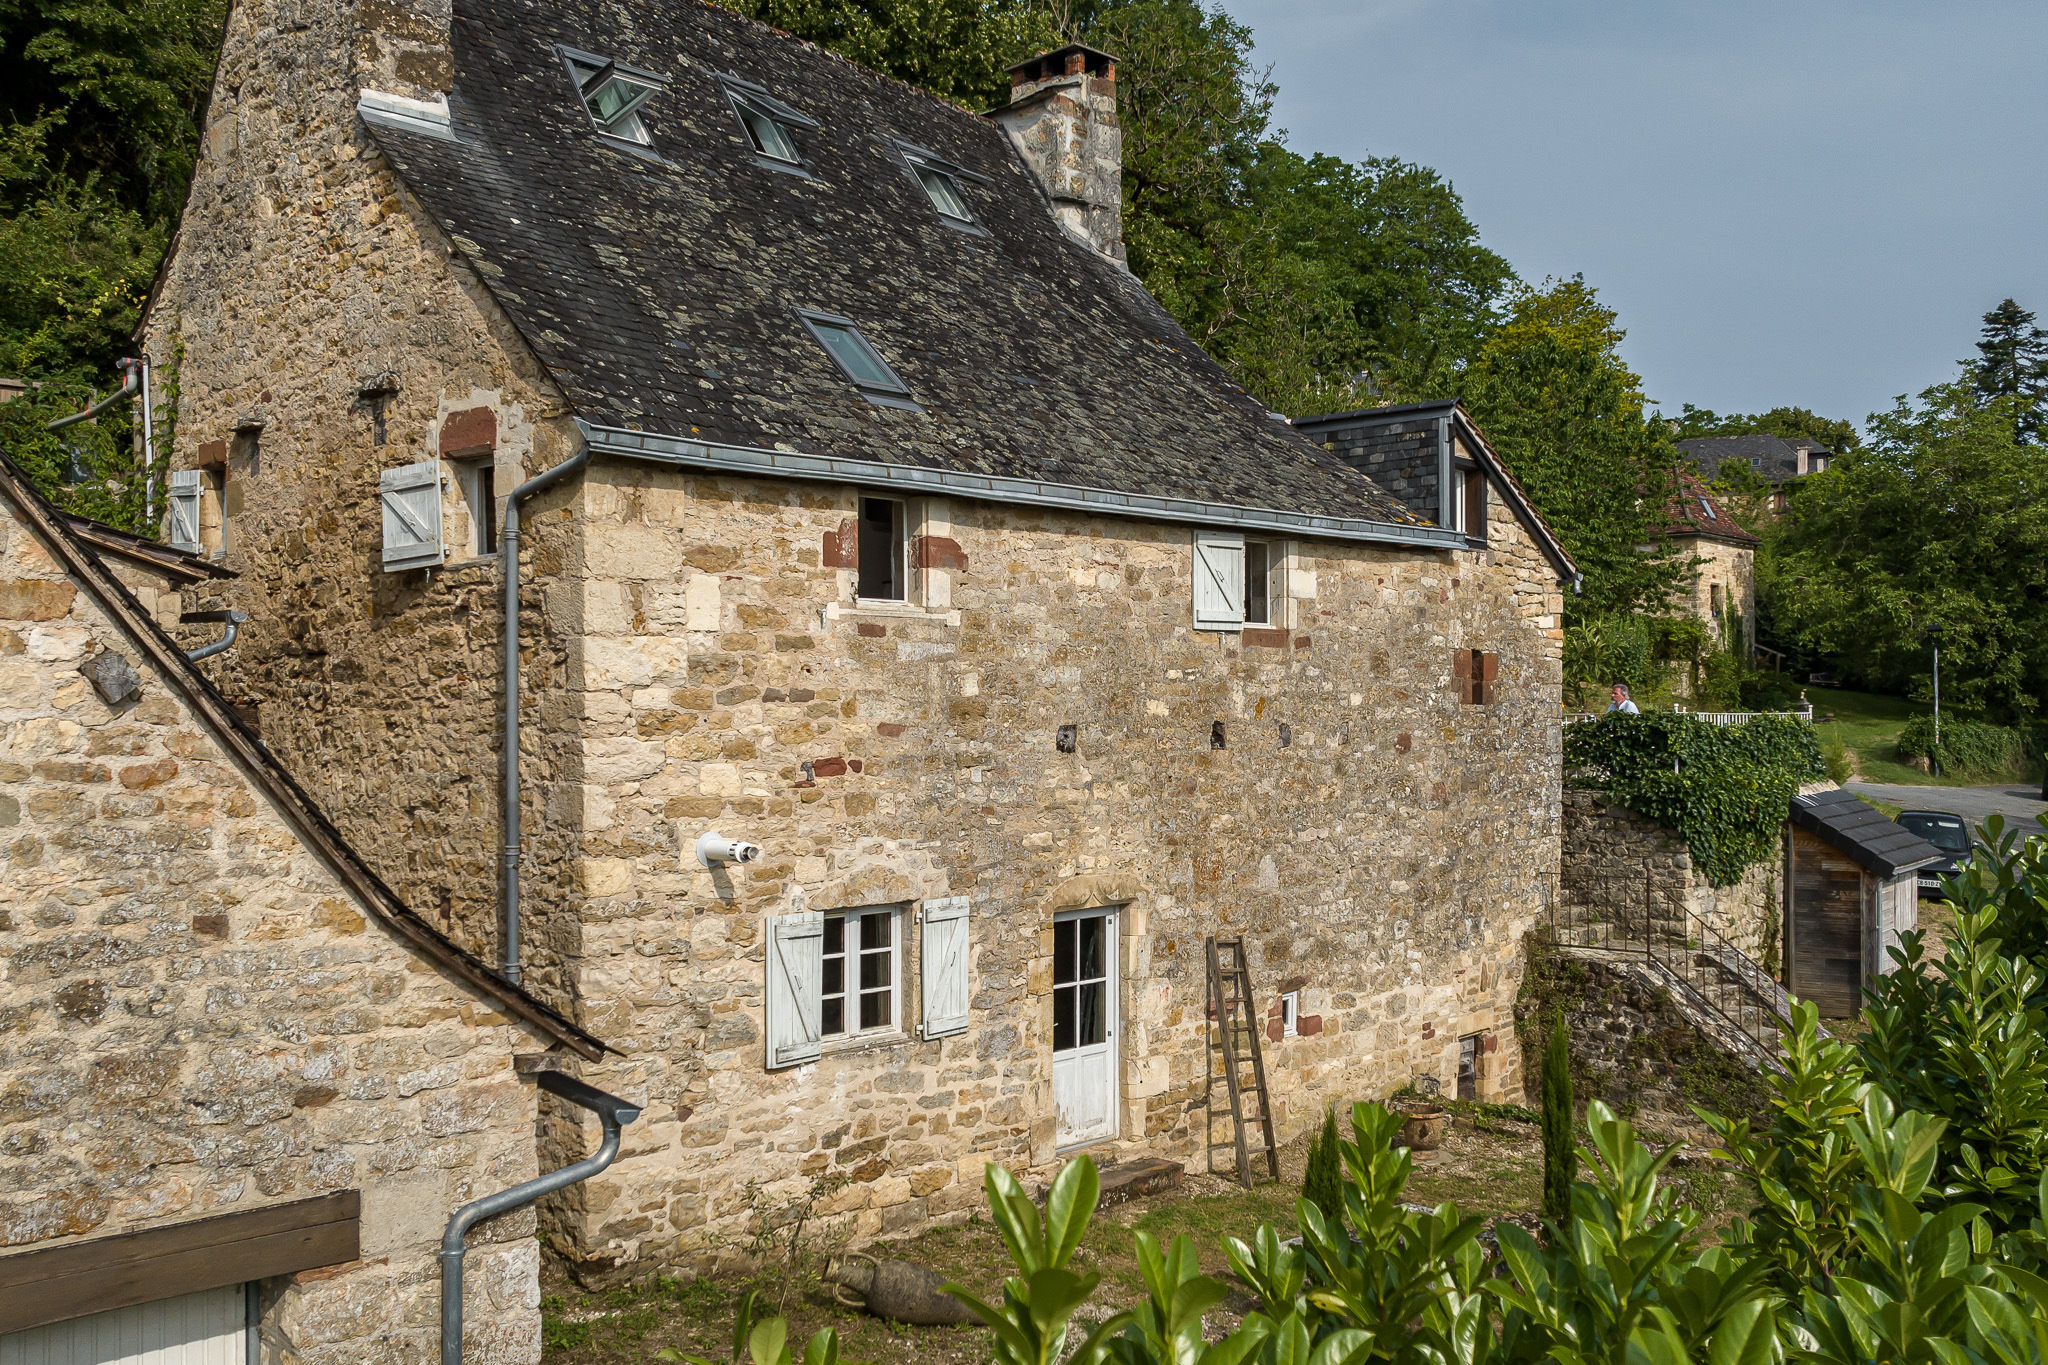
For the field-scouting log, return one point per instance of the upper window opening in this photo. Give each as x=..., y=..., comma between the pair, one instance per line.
x=771, y=125
x=884, y=565
x=943, y=183
x=944, y=193
x=613, y=93
x=1264, y=578
x=858, y=360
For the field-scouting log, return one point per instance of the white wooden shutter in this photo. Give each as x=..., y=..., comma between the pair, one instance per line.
x=411, y=495
x=944, y=966
x=1219, y=581
x=796, y=970
x=181, y=498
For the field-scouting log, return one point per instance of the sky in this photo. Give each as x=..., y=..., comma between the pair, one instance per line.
x=1802, y=202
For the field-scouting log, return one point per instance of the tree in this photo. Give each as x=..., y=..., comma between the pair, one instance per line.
x=1560, y=1141
x=958, y=50
x=1940, y=518
x=1556, y=401
x=2012, y=364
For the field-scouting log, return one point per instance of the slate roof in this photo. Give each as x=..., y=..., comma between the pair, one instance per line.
x=1773, y=457
x=179, y=566
x=298, y=809
x=1858, y=829
x=660, y=291
x=1696, y=512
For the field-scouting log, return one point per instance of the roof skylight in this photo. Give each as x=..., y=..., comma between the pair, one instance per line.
x=944, y=183
x=944, y=192
x=850, y=350
x=613, y=93
x=771, y=125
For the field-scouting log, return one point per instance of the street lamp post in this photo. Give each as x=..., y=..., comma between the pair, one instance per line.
x=1934, y=758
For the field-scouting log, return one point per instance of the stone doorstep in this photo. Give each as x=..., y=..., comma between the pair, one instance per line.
x=1147, y=1175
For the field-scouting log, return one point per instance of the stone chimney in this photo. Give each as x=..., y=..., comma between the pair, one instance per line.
x=402, y=48
x=1062, y=118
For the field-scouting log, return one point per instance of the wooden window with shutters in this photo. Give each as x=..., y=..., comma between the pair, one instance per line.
x=1474, y=674
x=1219, y=581
x=795, y=1003
x=182, y=494
x=411, y=497
x=838, y=977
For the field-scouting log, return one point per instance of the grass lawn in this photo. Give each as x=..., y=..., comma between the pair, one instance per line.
x=1869, y=726
x=1491, y=1166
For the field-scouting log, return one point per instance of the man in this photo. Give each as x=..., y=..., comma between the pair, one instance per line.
x=1621, y=700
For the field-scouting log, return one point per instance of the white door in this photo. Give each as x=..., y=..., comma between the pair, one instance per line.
x=1084, y=1025
x=206, y=1328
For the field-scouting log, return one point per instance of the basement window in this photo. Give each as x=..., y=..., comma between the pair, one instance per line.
x=770, y=125
x=884, y=563
x=858, y=361
x=613, y=93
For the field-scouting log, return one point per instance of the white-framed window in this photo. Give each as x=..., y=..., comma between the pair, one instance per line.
x=1265, y=583
x=884, y=551
x=612, y=93
x=1470, y=515
x=1290, y=1014
x=839, y=976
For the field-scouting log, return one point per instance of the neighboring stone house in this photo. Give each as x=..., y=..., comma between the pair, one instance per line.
x=1722, y=590
x=1777, y=460
x=242, y=1088
x=889, y=526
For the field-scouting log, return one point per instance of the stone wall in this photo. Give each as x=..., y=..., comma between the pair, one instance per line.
x=1733, y=569
x=1380, y=846
x=197, y=1018
x=1616, y=863
x=319, y=329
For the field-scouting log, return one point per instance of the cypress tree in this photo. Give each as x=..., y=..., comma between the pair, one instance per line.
x=1560, y=1153
x=2013, y=365
x=1323, y=1183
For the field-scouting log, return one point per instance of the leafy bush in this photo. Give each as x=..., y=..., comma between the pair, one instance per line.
x=1834, y=752
x=1723, y=788
x=1967, y=746
x=1322, y=1183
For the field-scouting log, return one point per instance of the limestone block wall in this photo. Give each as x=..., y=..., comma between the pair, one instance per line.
x=1733, y=568
x=196, y=1018
x=318, y=329
x=1380, y=846
x=1620, y=866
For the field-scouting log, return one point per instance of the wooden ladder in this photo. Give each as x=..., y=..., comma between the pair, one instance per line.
x=1231, y=1006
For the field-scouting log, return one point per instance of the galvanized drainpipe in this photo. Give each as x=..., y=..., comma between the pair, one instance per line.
x=612, y=1111
x=131, y=385
x=508, y=560
x=231, y=618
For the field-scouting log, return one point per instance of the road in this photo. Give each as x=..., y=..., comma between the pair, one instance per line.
x=2019, y=805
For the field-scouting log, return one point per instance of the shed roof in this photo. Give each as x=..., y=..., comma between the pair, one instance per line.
x=1857, y=828
x=662, y=289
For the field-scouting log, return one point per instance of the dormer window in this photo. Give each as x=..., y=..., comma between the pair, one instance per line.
x=944, y=184
x=771, y=126
x=612, y=93
x=858, y=361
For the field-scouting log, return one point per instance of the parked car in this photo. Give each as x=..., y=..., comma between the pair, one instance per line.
x=1946, y=831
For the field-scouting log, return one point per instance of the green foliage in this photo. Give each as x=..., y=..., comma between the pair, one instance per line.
x=765, y=1342
x=1967, y=746
x=1560, y=1146
x=1322, y=1183
x=1939, y=519
x=1723, y=788
x=1834, y=753
x=956, y=49
x=1555, y=399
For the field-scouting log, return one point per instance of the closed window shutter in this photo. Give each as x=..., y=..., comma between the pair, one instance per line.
x=944, y=966
x=411, y=495
x=1489, y=670
x=796, y=969
x=1219, y=581
x=1461, y=674
x=181, y=498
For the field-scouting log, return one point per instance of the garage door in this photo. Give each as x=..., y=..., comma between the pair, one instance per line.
x=206, y=1328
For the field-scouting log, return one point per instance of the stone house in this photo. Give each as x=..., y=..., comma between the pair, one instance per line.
x=242, y=1087
x=1779, y=461
x=852, y=501
x=1722, y=590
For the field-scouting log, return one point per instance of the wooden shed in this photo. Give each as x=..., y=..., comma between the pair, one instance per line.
x=1850, y=891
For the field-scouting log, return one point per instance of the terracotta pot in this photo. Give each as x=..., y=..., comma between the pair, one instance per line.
x=1424, y=1130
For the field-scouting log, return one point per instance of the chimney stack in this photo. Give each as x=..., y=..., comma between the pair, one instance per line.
x=1062, y=119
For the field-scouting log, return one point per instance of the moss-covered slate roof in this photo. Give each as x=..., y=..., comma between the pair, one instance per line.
x=661, y=292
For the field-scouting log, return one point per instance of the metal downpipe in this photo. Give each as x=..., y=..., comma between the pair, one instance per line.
x=612, y=1111
x=508, y=560
x=130, y=386
x=231, y=618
